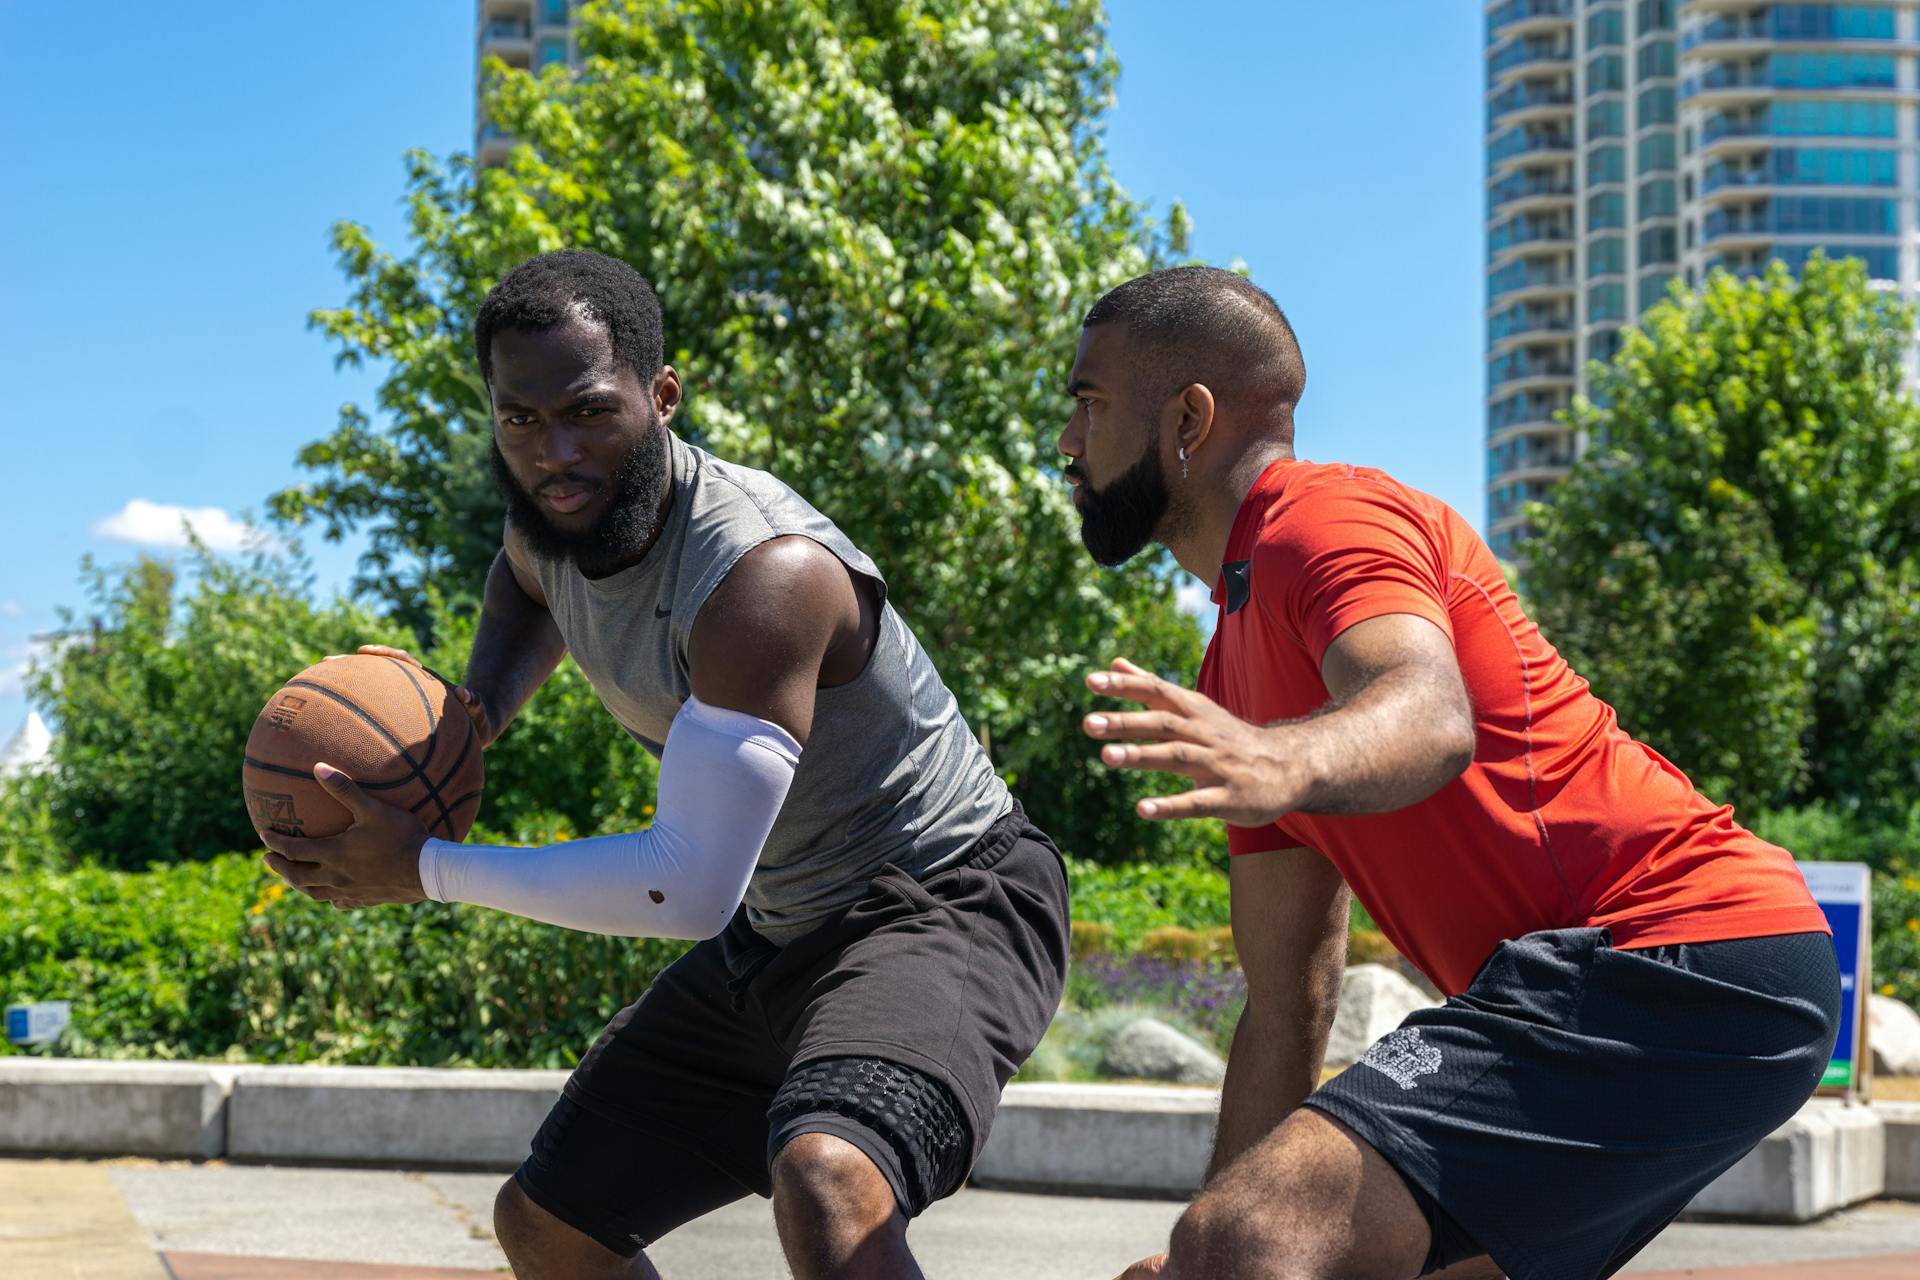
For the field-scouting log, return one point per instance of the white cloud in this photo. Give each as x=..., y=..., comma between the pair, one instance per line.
x=159, y=524
x=12, y=609
x=14, y=661
x=1196, y=597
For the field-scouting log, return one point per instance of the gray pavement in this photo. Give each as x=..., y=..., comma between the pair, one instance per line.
x=442, y=1219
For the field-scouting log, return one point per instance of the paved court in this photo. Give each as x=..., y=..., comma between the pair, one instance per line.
x=144, y=1220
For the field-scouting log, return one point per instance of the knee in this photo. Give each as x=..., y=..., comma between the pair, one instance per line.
x=539, y=1244
x=1229, y=1238
x=817, y=1172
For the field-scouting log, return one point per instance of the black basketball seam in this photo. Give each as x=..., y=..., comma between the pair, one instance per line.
x=286, y=772
x=433, y=791
x=433, y=740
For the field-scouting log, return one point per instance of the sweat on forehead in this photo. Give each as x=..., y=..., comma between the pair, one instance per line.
x=544, y=292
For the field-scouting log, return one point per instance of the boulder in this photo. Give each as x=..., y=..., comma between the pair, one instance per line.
x=1373, y=1001
x=1893, y=1029
x=1148, y=1049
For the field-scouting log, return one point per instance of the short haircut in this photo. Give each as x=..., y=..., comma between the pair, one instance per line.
x=548, y=290
x=1202, y=324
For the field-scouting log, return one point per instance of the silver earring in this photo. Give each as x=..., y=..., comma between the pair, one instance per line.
x=1183, y=462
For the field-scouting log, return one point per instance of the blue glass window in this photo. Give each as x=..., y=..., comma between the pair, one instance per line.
x=1652, y=289
x=1606, y=120
x=1833, y=167
x=1606, y=29
x=1883, y=261
x=1831, y=70
x=1607, y=302
x=1606, y=255
x=1802, y=215
x=1657, y=199
x=1606, y=209
x=1657, y=247
x=1607, y=164
x=1654, y=106
x=1606, y=73
x=1829, y=119
x=1832, y=22
x=1654, y=15
x=556, y=11
x=1654, y=59
x=1654, y=154
x=552, y=51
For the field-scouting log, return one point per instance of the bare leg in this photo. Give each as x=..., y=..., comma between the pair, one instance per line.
x=541, y=1247
x=837, y=1214
x=1311, y=1201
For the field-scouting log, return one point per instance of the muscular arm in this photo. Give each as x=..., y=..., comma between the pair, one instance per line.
x=1290, y=930
x=786, y=617
x=517, y=644
x=1396, y=728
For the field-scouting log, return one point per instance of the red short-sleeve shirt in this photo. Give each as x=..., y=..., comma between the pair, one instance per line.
x=1562, y=820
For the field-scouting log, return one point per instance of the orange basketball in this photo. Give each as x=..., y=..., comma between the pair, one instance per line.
x=392, y=727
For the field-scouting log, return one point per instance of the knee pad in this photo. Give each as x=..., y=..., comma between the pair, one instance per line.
x=915, y=1119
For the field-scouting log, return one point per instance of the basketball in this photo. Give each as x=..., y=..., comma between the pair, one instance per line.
x=392, y=727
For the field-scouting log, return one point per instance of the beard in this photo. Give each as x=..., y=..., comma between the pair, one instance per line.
x=630, y=521
x=1117, y=522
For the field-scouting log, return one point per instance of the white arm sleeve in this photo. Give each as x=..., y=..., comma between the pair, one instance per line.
x=723, y=777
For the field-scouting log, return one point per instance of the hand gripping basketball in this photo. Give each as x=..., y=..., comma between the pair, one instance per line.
x=375, y=860
x=475, y=707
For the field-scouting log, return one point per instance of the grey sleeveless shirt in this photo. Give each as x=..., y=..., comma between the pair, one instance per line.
x=890, y=773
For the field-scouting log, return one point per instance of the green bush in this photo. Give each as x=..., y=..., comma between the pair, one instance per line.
x=219, y=960
x=1135, y=898
x=151, y=961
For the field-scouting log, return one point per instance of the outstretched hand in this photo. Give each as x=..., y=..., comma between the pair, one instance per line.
x=1154, y=1268
x=1241, y=771
x=375, y=860
x=469, y=701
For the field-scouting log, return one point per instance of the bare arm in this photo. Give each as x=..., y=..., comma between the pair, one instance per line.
x=1397, y=728
x=517, y=645
x=783, y=622
x=1290, y=930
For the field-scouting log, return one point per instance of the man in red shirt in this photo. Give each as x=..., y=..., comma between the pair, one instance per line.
x=1639, y=989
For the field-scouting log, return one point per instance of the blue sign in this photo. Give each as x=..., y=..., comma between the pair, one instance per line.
x=1842, y=890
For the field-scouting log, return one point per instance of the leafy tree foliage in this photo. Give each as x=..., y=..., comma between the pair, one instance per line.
x=874, y=227
x=1736, y=562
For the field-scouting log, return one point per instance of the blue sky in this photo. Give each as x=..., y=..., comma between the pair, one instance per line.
x=165, y=232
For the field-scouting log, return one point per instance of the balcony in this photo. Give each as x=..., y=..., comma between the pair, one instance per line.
x=1534, y=53
x=1534, y=410
x=1526, y=366
x=1517, y=16
x=1514, y=235
x=1529, y=142
x=1527, y=323
x=1849, y=74
x=505, y=31
x=1806, y=26
x=1519, y=191
x=1524, y=279
x=1531, y=97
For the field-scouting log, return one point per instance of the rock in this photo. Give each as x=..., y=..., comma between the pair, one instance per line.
x=1893, y=1029
x=1148, y=1049
x=1373, y=1000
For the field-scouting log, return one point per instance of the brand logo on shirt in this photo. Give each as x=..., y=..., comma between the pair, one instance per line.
x=1238, y=576
x=1402, y=1056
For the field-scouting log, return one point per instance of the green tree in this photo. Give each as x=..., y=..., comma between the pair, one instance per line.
x=1735, y=563
x=874, y=227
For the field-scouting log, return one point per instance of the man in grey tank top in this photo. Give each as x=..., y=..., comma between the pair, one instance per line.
x=882, y=933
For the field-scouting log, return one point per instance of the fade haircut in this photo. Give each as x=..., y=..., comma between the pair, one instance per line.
x=1205, y=325
x=544, y=292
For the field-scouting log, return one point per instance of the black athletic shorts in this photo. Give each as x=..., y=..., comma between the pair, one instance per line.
x=1559, y=1113
x=894, y=1026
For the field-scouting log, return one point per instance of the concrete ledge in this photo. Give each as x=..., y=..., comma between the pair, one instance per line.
x=1902, y=1120
x=388, y=1115
x=1101, y=1138
x=62, y=1106
x=1827, y=1157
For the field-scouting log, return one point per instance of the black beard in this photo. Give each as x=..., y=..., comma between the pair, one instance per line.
x=1117, y=522
x=631, y=519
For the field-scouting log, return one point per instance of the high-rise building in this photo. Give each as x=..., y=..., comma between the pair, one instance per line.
x=1633, y=141
x=522, y=33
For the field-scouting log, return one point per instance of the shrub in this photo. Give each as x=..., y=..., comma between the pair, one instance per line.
x=1136, y=898
x=1089, y=938
x=1172, y=942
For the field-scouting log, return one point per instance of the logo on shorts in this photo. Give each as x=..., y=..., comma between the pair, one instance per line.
x=1401, y=1056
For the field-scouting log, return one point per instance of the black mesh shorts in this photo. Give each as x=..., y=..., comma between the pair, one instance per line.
x=894, y=1027
x=1561, y=1111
